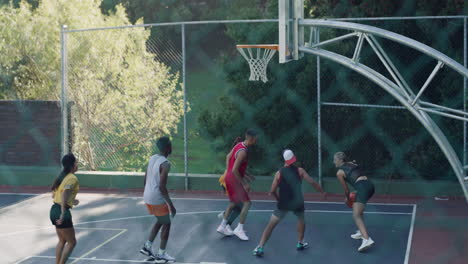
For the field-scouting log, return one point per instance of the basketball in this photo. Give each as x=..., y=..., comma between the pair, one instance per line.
x=351, y=199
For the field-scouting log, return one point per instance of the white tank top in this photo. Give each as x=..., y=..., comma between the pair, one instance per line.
x=152, y=194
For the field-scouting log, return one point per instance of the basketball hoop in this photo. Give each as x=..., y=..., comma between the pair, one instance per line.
x=258, y=57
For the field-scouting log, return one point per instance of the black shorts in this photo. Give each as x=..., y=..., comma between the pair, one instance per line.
x=55, y=213
x=365, y=189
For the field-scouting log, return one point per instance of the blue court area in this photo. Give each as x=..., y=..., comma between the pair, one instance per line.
x=112, y=229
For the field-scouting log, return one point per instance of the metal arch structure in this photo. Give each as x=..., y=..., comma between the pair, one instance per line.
x=397, y=87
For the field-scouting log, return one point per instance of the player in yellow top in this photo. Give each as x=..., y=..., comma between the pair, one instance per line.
x=64, y=190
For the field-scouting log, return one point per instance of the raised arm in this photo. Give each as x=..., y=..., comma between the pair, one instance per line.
x=304, y=175
x=165, y=168
x=274, y=185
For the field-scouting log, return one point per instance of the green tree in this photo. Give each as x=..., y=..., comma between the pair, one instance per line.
x=123, y=98
x=284, y=109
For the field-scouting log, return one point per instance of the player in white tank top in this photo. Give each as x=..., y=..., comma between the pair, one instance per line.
x=157, y=200
x=152, y=194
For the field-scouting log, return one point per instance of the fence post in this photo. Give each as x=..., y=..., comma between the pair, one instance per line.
x=464, y=92
x=186, y=183
x=319, y=126
x=64, y=92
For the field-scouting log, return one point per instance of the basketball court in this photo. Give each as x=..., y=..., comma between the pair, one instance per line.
x=112, y=228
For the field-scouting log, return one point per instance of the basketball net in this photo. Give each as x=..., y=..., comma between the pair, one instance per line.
x=258, y=57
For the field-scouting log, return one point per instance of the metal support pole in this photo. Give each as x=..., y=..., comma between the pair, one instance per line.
x=357, y=51
x=185, y=110
x=64, y=93
x=423, y=88
x=319, y=126
x=464, y=94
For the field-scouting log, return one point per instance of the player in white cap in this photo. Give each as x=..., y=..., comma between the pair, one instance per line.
x=290, y=199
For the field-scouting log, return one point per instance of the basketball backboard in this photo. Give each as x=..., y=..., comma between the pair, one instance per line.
x=290, y=35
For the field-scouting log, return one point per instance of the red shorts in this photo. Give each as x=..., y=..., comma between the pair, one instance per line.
x=235, y=190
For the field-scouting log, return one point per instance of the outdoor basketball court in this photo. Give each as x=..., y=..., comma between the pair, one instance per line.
x=112, y=228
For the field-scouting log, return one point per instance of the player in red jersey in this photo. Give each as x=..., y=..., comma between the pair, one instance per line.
x=237, y=184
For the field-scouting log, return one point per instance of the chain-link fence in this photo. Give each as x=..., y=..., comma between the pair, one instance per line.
x=129, y=92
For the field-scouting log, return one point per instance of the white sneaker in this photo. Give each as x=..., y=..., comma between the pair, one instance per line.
x=240, y=233
x=221, y=215
x=366, y=243
x=164, y=258
x=224, y=230
x=357, y=235
x=229, y=230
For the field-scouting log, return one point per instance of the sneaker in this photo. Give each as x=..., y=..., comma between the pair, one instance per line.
x=366, y=244
x=164, y=258
x=221, y=215
x=258, y=251
x=224, y=230
x=229, y=230
x=357, y=235
x=240, y=233
x=302, y=245
x=146, y=251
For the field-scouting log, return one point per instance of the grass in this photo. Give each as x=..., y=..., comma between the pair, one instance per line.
x=203, y=88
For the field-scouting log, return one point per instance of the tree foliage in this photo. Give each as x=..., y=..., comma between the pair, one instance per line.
x=123, y=98
x=284, y=109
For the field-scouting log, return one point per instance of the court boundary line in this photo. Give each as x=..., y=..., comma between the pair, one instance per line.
x=50, y=227
x=83, y=257
x=22, y=201
x=99, y=246
x=23, y=259
x=273, y=201
x=410, y=236
x=218, y=211
x=203, y=199
x=120, y=260
x=38, y=228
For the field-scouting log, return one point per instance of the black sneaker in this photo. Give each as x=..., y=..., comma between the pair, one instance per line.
x=147, y=252
x=302, y=245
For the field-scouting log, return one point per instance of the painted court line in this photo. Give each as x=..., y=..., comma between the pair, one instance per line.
x=99, y=246
x=119, y=260
x=20, y=202
x=211, y=199
x=50, y=227
x=218, y=211
x=273, y=201
x=23, y=259
x=410, y=236
x=34, y=194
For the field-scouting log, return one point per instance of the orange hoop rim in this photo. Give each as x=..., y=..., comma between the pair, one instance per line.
x=259, y=46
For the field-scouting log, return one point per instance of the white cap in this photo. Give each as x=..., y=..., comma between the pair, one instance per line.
x=289, y=157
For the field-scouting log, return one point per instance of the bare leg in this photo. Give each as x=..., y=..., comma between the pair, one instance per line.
x=269, y=229
x=300, y=228
x=154, y=231
x=234, y=214
x=165, y=235
x=228, y=211
x=60, y=246
x=244, y=212
x=358, y=216
x=69, y=234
